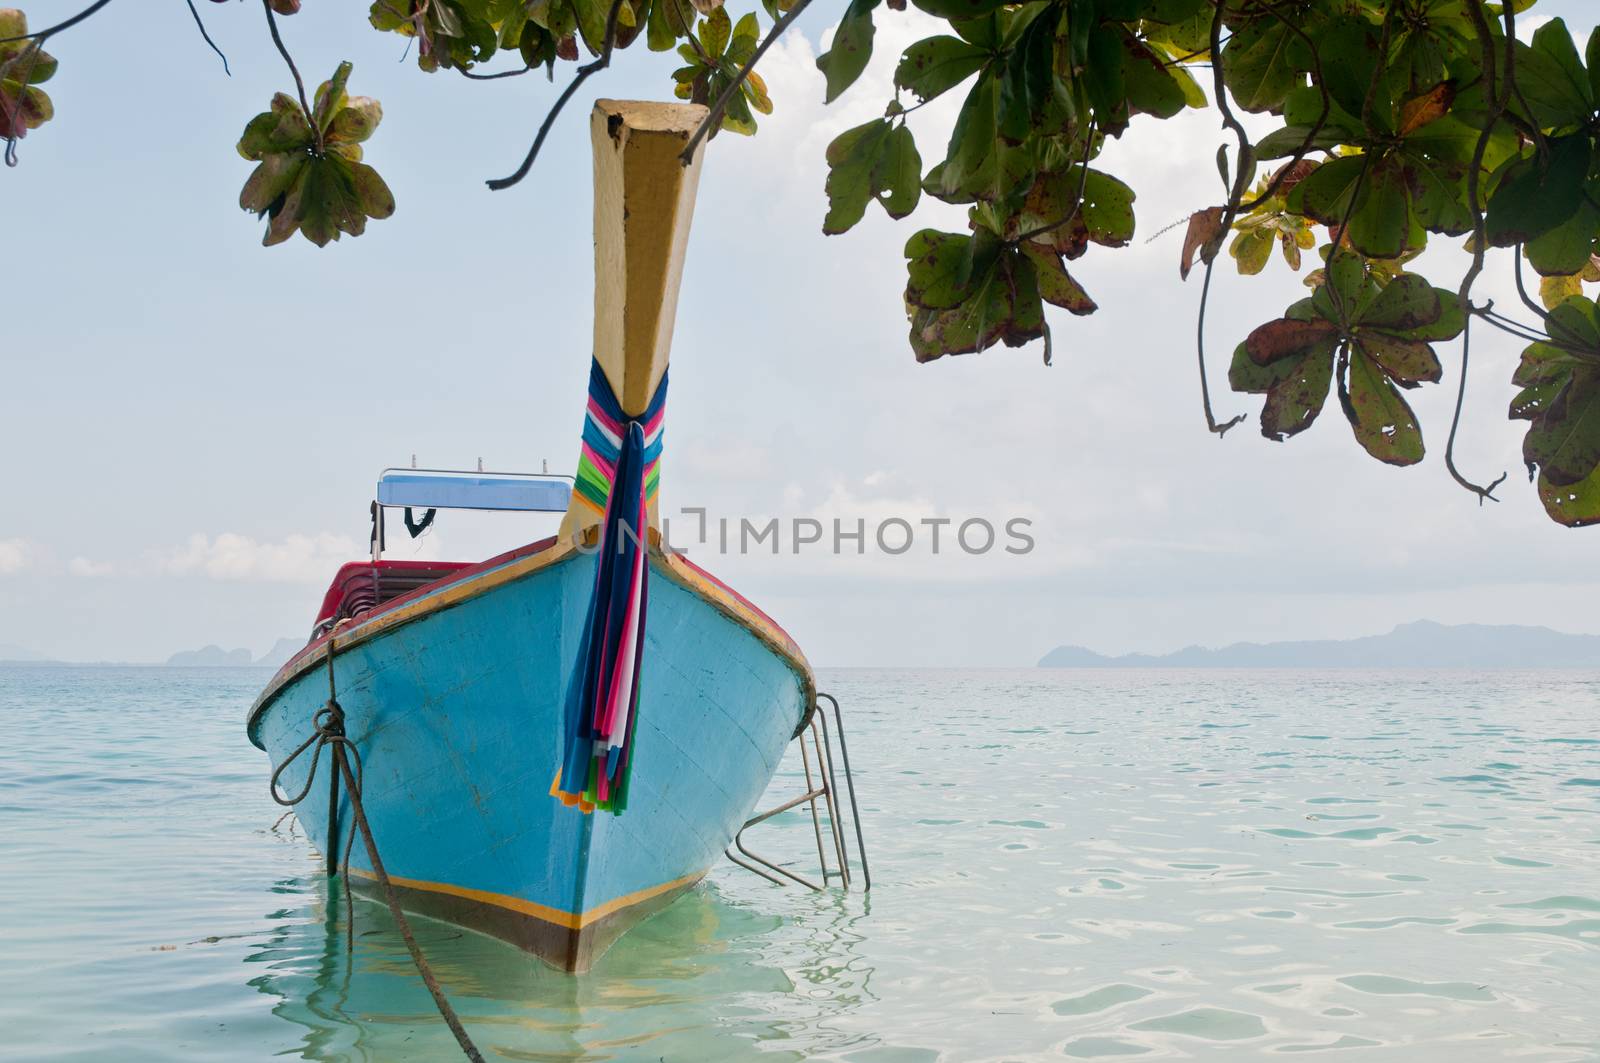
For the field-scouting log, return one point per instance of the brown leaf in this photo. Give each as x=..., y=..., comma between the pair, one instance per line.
x=1293, y=173
x=1286, y=337
x=1428, y=107
x=1056, y=285
x=1204, y=235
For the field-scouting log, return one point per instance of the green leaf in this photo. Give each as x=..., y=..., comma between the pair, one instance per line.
x=1564, y=443
x=1554, y=40
x=1152, y=88
x=851, y=158
x=1349, y=51
x=1383, y=422
x=746, y=37
x=1294, y=401
x=1536, y=194
x=355, y=122
x=1380, y=226
x=847, y=57
x=716, y=29
x=897, y=173
x=1324, y=194
x=1103, y=78
x=971, y=162
x=667, y=21
x=1407, y=362
x=1592, y=55
x=1405, y=303
x=1251, y=251
x=1055, y=284
x=1565, y=249
x=1028, y=80
x=271, y=180
x=281, y=128
x=1246, y=376
x=1576, y=505
x=959, y=9
x=1003, y=305
x=1257, y=64
x=939, y=269
x=934, y=65
x=298, y=189
x=1576, y=323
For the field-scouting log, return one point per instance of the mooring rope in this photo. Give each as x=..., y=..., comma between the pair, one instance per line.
x=327, y=731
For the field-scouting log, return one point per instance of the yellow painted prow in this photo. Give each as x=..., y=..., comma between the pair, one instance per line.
x=643, y=204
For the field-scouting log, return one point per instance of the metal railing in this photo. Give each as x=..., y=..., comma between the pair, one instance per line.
x=820, y=786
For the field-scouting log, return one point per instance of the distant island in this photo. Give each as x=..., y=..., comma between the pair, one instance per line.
x=217, y=657
x=1422, y=644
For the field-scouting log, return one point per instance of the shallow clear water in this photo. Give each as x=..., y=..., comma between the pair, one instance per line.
x=1066, y=865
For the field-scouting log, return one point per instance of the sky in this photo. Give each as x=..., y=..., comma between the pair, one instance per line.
x=191, y=424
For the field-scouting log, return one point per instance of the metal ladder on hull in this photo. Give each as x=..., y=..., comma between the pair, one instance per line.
x=822, y=786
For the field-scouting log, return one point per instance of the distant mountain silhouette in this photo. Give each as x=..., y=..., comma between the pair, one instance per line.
x=217, y=657
x=1422, y=644
x=210, y=657
x=280, y=653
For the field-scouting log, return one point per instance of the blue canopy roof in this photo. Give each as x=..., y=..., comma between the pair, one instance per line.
x=423, y=489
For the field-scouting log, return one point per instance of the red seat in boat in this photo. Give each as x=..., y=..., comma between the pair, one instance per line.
x=361, y=586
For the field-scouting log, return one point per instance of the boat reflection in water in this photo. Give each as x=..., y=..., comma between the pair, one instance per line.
x=708, y=978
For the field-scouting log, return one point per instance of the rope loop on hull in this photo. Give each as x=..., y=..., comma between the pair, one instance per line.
x=327, y=732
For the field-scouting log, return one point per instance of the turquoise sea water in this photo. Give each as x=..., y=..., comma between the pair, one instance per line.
x=1066, y=865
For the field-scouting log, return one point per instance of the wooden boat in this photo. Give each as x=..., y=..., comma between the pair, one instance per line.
x=469, y=690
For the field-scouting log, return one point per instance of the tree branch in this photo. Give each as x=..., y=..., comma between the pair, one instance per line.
x=1316, y=128
x=1498, y=92
x=1077, y=202
x=1455, y=422
x=599, y=63
x=299, y=84
x=493, y=77
x=1522, y=291
x=202, y=27
x=1241, y=181
x=42, y=35
x=714, y=119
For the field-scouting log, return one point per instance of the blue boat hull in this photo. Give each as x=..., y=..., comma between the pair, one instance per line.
x=458, y=715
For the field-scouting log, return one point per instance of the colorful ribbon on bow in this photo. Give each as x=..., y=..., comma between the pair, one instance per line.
x=618, y=475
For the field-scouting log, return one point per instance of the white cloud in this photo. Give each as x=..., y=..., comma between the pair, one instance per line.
x=15, y=555
x=84, y=567
x=239, y=558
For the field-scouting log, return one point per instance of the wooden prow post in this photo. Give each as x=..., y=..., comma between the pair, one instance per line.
x=643, y=203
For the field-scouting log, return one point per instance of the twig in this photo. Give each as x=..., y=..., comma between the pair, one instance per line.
x=1498, y=94
x=42, y=35
x=1077, y=202
x=602, y=61
x=1455, y=421
x=1383, y=65
x=1241, y=181
x=202, y=27
x=300, y=85
x=1311, y=135
x=1200, y=344
x=1197, y=53
x=714, y=119
x=1512, y=327
x=38, y=38
x=493, y=77
x=1522, y=291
